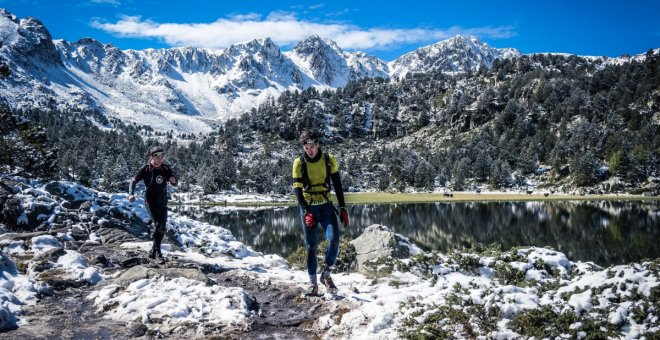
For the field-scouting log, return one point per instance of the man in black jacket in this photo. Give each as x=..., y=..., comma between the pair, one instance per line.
x=155, y=175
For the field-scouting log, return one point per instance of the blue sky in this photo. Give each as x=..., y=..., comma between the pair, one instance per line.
x=385, y=29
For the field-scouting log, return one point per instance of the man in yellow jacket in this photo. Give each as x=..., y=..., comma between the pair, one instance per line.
x=312, y=173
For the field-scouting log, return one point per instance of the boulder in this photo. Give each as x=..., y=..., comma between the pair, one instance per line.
x=8, y=320
x=60, y=279
x=78, y=233
x=140, y=272
x=378, y=241
x=133, y=274
x=74, y=195
x=6, y=190
x=85, y=206
x=114, y=234
x=49, y=254
x=613, y=185
x=100, y=261
x=38, y=212
x=11, y=210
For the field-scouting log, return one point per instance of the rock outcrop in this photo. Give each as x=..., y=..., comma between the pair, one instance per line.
x=377, y=241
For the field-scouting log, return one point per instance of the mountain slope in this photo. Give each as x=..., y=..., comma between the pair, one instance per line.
x=323, y=60
x=455, y=55
x=190, y=89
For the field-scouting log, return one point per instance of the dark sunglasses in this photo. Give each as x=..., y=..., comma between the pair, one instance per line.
x=158, y=154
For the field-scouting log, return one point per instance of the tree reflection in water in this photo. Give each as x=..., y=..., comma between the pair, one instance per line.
x=605, y=232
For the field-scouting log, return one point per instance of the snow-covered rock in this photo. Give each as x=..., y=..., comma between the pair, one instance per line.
x=377, y=241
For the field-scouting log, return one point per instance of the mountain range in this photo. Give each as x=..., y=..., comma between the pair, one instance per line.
x=189, y=89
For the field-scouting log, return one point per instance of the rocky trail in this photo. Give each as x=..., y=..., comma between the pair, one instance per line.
x=279, y=309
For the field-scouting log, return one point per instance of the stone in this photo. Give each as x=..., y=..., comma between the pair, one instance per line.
x=141, y=272
x=100, y=260
x=75, y=196
x=6, y=191
x=11, y=210
x=136, y=329
x=51, y=255
x=378, y=241
x=38, y=212
x=85, y=206
x=78, y=233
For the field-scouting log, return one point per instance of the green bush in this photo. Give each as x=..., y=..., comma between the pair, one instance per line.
x=346, y=260
x=545, y=323
x=449, y=322
x=509, y=275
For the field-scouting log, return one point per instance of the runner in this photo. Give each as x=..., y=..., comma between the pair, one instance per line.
x=155, y=175
x=312, y=173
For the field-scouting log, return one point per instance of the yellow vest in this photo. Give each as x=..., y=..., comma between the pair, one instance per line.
x=316, y=172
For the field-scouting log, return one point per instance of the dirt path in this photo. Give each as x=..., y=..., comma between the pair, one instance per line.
x=281, y=309
x=68, y=315
x=280, y=312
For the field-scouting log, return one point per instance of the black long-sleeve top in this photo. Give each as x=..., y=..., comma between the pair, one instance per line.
x=155, y=181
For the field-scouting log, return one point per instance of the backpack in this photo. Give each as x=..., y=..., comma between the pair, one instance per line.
x=307, y=185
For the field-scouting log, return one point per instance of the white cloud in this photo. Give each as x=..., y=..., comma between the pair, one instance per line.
x=285, y=29
x=111, y=2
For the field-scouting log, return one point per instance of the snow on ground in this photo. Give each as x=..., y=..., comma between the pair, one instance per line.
x=180, y=299
x=17, y=289
x=232, y=198
x=421, y=295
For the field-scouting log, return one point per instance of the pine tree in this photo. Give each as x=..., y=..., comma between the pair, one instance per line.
x=207, y=180
x=460, y=173
x=424, y=178
x=482, y=166
x=584, y=169
x=528, y=161
x=619, y=163
x=501, y=175
x=24, y=148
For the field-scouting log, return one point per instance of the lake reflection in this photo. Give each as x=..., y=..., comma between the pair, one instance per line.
x=606, y=233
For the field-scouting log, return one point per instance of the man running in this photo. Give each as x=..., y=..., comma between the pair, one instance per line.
x=155, y=175
x=312, y=173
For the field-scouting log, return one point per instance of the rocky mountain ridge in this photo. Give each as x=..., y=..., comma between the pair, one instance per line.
x=189, y=88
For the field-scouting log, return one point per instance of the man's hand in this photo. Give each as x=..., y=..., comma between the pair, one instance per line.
x=173, y=180
x=131, y=198
x=343, y=216
x=310, y=222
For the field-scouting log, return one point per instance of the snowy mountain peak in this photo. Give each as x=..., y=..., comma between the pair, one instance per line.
x=462, y=53
x=264, y=47
x=314, y=44
x=4, y=13
x=27, y=38
x=90, y=42
x=461, y=40
x=190, y=89
x=321, y=59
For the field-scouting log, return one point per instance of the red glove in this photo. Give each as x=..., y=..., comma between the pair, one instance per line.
x=343, y=216
x=310, y=222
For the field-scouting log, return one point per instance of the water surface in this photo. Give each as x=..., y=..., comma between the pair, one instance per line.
x=604, y=232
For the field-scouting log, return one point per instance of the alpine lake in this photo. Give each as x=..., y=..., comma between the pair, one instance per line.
x=606, y=232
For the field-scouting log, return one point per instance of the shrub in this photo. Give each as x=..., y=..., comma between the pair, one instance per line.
x=346, y=260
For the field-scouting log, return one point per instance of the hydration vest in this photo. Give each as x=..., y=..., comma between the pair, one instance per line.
x=307, y=185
